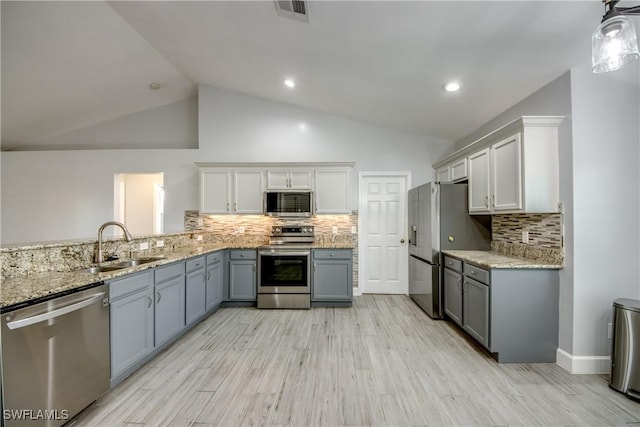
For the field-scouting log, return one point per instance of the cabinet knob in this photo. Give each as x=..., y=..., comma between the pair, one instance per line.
x=331, y=254
x=401, y=240
x=241, y=255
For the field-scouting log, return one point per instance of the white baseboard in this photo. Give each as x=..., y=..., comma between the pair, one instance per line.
x=356, y=292
x=583, y=364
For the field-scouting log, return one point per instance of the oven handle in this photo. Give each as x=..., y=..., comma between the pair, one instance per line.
x=280, y=253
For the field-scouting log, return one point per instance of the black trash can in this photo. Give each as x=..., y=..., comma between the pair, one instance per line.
x=625, y=351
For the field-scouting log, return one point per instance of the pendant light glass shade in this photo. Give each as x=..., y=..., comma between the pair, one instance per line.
x=614, y=44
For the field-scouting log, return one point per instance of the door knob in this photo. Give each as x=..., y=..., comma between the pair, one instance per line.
x=401, y=240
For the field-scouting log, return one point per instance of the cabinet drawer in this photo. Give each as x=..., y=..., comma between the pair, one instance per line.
x=169, y=272
x=130, y=284
x=453, y=264
x=242, y=254
x=480, y=274
x=195, y=264
x=215, y=257
x=332, y=254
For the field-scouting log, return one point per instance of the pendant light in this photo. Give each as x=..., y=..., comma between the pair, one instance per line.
x=614, y=43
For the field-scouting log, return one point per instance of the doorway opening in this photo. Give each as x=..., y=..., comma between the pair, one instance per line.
x=139, y=202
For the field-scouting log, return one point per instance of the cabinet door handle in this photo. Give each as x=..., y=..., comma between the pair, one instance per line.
x=235, y=206
x=493, y=200
x=150, y=301
x=209, y=275
x=486, y=201
x=227, y=206
x=158, y=297
x=314, y=267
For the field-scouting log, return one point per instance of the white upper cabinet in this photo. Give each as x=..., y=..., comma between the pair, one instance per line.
x=479, y=182
x=225, y=191
x=289, y=179
x=332, y=191
x=238, y=188
x=453, y=172
x=506, y=175
x=248, y=191
x=215, y=191
x=443, y=175
x=514, y=169
x=458, y=170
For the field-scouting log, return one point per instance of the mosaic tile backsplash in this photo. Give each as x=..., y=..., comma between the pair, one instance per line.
x=545, y=236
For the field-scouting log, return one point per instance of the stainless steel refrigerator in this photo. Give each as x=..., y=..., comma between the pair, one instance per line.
x=439, y=220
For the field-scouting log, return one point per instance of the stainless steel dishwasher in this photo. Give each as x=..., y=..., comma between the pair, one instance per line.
x=55, y=358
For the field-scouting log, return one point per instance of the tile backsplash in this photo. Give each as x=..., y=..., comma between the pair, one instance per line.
x=545, y=236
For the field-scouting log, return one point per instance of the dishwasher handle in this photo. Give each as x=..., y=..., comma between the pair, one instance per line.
x=17, y=324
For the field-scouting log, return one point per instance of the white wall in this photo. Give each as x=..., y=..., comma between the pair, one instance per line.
x=170, y=126
x=62, y=195
x=606, y=188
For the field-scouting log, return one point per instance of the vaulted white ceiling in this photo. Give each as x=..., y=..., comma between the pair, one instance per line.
x=68, y=65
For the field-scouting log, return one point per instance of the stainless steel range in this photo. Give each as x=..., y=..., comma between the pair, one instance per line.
x=284, y=268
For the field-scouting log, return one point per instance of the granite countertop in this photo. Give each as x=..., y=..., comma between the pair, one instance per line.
x=490, y=259
x=19, y=290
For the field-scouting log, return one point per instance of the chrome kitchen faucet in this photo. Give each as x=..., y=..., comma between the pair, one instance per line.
x=127, y=237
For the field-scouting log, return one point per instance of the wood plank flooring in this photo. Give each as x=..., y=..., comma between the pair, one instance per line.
x=382, y=362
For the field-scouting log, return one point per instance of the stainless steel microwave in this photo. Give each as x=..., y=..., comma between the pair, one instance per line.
x=288, y=203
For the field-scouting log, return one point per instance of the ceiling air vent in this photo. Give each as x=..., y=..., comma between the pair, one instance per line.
x=293, y=9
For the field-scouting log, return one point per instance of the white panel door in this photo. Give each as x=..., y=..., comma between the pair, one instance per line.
x=383, y=261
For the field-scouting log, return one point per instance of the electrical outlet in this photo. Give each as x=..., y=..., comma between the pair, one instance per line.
x=199, y=222
x=334, y=229
x=610, y=330
x=199, y=237
x=525, y=237
x=144, y=246
x=240, y=230
x=354, y=229
x=159, y=243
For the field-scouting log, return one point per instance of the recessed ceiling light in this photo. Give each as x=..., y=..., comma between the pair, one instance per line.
x=290, y=83
x=155, y=86
x=451, y=87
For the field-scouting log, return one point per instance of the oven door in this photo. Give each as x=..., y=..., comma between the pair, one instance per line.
x=284, y=272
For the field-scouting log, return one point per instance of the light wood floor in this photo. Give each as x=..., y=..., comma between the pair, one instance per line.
x=382, y=362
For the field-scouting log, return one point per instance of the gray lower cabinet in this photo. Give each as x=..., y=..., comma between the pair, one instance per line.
x=511, y=312
x=195, y=292
x=475, y=305
x=215, y=280
x=332, y=276
x=242, y=275
x=131, y=317
x=453, y=295
x=169, y=302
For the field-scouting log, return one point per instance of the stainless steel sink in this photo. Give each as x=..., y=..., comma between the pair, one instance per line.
x=100, y=269
x=121, y=265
